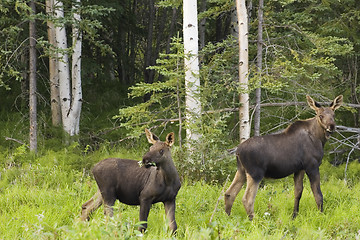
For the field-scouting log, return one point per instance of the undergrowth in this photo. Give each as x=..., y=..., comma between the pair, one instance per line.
x=41, y=198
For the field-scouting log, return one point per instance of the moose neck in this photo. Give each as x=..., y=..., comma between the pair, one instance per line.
x=317, y=130
x=169, y=172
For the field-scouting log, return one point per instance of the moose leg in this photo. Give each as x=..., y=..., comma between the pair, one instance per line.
x=235, y=187
x=90, y=206
x=250, y=194
x=298, y=183
x=109, y=201
x=170, y=214
x=145, y=206
x=314, y=177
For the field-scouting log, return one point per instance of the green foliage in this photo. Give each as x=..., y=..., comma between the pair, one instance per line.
x=216, y=8
x=43, y=200
x=167, y=102
x=165, y=94
x=11, y=16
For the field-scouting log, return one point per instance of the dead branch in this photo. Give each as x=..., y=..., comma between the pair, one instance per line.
x=16, y=140
x=348, y=157
x=347, y=129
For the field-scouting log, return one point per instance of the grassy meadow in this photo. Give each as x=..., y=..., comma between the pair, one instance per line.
x=41, y=198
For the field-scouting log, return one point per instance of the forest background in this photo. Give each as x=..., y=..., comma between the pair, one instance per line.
x=133, y=77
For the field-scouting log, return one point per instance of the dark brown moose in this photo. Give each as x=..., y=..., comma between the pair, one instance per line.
x=155, y=181
x=299, y=149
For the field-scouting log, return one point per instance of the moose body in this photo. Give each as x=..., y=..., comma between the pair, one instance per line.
x=299, y=149
x=132, y=184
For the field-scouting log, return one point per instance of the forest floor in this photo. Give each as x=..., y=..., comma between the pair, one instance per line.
x=41, y=198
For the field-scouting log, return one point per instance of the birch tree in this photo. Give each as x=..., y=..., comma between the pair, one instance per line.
x=76, y=101
x=69, y=89
x=192, y=80
x=53, y=71
x=32, y=80
x=243, y=70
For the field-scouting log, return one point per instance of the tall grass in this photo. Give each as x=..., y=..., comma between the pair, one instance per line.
x=41, y=198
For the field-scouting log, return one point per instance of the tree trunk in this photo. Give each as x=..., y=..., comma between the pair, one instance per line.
x=354, y=85
x=63, y=69
x=70, y=91
x=53, y=73
x=202, y=26
x=192, y=80
x=132, y=48
x=162, y=19
x=243, y=70
x=32, y=80
x=234, y=26
x=149, y=47
x=171, y=29
x=24, y=59
x=76, y=93
x=257, y=116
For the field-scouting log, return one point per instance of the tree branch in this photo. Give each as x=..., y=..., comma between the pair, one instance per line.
x=347, y=129
x=15, y=140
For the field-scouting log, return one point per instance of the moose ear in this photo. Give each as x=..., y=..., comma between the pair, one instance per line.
x=314, y=105
x=152, y=138
x=170, y=139
x=337, y=102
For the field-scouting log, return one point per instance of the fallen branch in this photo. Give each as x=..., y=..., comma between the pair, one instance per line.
x=15, y=140
x=347, y=129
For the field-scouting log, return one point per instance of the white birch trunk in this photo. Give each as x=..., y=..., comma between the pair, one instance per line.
x=192, y=80
x=243, y=70
x=76, y=101
x=63, y=69
x=70, y=89
x=53, y=68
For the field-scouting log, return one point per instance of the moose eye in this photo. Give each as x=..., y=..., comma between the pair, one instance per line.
x=161, y=151
x=321, y=117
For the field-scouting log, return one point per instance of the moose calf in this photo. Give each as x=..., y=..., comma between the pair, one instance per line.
x=297, y=150
x=123, y=179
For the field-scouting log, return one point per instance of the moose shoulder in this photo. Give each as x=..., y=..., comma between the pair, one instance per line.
x=123, y=179
x=297, y=150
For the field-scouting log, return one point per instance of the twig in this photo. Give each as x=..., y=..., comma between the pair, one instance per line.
x=348, y=157
x=15, y=140
x=220, y=197
x=347, y=162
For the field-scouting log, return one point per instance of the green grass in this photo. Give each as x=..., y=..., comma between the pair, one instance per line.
x=42, y=198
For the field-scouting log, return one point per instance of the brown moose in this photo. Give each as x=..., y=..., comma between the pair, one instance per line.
x=125, y=180
x=299, y=150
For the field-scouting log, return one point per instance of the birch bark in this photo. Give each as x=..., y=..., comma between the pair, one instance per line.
x=70, y=89
x=192, y=80
x=243, y=70
x=76, y=101
x=53, y=73
x=63, y=68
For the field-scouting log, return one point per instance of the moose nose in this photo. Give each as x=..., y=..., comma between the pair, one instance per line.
x=331, y=128
x=147, y=161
